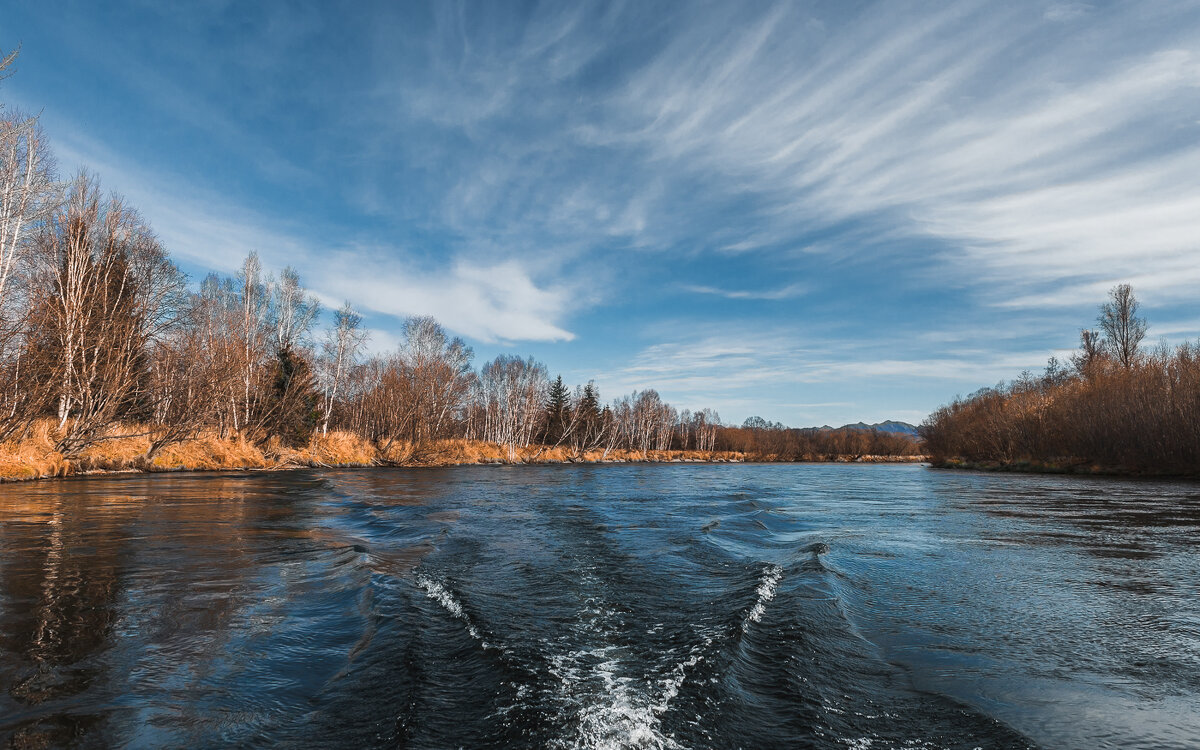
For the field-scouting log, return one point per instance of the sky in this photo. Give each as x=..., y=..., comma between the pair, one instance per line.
x=818, y=213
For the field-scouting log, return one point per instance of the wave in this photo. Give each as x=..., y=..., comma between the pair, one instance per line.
x=439, y=593
x=606, y=706
x=767, y=587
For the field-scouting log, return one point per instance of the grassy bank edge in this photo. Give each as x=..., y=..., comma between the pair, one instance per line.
x=1065, y=466
x=33, y=457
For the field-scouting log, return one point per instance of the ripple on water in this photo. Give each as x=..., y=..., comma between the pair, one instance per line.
x=622, y=607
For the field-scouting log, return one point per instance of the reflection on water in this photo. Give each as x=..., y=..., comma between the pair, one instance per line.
x=632, y=606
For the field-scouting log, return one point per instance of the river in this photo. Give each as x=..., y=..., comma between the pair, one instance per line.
x=615, y=606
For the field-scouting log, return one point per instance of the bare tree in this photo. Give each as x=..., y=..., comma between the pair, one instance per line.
x=704, y=426
x=615, y=421
x=104, y=289
x=216, y=316
x=294, y=311
x=254, y=324
x=6, y=61
x=1123, y=329
x=653, y=422
x=511, y=392
x=338, y=357
x=382, y=407
x=1092, y=349
x=27, y=195
x=439, y=369
x=186, y=371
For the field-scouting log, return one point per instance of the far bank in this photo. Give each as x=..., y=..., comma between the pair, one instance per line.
x=34, y=456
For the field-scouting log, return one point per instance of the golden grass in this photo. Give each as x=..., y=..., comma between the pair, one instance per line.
x=459, y=452
x=210, y=453
x=335, y=449
x=33, y=456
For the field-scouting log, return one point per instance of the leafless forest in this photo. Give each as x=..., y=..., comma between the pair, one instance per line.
x=1115, y=406
x=102, y=339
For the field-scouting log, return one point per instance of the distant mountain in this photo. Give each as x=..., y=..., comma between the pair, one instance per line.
x=888, y=426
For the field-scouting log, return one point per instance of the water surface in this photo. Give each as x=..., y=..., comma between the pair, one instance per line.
x=753, y=606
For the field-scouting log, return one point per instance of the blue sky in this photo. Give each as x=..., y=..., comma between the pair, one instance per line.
x=815, y=212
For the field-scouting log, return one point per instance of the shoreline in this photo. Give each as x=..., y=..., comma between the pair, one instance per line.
x=1066, y=468
x=69, y=470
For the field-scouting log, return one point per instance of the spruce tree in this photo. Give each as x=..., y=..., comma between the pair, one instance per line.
x=589, y=417
x=557, y=405
x=589, y=402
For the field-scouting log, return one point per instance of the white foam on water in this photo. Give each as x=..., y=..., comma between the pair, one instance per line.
x=672, y=684
x=767, y=587
x=605, y=706
x=443, y=596
x=608, y=709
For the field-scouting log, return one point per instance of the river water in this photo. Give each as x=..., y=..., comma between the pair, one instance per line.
x=616, y=606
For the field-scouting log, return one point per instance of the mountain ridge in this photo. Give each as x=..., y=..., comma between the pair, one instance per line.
x=890, y=425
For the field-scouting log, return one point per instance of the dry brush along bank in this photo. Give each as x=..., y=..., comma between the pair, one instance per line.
x=1114, y=410
x=35, y=456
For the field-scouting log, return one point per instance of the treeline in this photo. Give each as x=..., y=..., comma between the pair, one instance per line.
x=771, y=441
x=101, y=333
x=1114, y=406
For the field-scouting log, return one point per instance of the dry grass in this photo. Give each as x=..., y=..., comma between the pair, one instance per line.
x=33, y=456
x=459, y=452
x=210, y=453
x=335, y=449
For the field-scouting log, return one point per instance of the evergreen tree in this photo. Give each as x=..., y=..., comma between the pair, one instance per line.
x=558, y=406
x=589, y=403
x=590, y=420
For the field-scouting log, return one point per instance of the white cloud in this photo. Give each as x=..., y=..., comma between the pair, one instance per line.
x=728, y=361
x=786, y=292
x=1045, y=155
x=1067, y=11
x=489, y=301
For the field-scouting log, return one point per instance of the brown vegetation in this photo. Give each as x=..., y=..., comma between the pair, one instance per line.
x=35, y=456
x=1115, y=409
x=778, y=443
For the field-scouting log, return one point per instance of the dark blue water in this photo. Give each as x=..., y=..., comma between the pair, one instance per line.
x=752, y=606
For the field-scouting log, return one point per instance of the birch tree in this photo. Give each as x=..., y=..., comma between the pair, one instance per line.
x=103, y=291
x=294, y=311
x=439, y=369
x=27, y=194
x=512, y=391
x=253, y=328
x=339, y=356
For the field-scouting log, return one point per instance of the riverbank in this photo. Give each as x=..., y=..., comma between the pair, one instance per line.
x=1063, y=466
x=34, y=457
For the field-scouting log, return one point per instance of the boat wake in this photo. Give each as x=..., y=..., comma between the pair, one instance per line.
x=439, y=593
x=606, y=703
x=767, y=587
x=601, y=703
